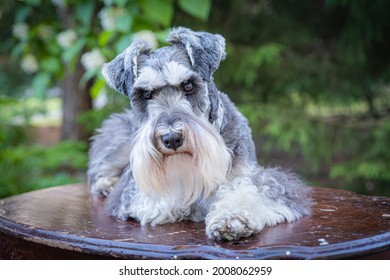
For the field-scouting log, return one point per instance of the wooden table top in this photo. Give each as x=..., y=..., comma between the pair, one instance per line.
x=67, y=218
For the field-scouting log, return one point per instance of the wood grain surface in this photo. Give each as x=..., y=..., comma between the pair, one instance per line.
x=68, y=223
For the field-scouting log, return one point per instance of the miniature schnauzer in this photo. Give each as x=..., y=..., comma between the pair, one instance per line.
x=184, y=151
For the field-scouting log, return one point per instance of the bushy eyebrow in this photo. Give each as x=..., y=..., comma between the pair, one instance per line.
x=175, y=73
x=172, y=74
x=149, y=79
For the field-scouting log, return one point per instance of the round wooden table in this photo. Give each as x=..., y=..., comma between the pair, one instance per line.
x=66, y=222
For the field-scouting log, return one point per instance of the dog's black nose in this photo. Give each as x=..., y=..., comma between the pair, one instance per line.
x=172, y=140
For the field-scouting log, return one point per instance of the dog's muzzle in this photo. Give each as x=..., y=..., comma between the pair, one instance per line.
x=172, y=140
x=170, y=133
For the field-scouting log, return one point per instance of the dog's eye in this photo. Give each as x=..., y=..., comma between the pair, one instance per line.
x=188, y=87
x=147, y=94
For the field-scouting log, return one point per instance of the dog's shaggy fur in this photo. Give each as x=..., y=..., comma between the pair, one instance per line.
x=184, y=152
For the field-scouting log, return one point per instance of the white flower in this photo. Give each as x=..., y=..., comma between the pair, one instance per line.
x=29, y=64
x=101, y=100
x=92, y=60
x=20, y=31
x=109, y=16
x=66, y=38
x=147, y=36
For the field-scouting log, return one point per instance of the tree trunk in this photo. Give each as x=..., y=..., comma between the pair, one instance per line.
x=75, y=100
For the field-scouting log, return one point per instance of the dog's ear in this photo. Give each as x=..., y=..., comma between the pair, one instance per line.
x=205, y=50
x=121, y=72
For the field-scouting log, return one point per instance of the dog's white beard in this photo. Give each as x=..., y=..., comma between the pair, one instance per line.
x=170, y=184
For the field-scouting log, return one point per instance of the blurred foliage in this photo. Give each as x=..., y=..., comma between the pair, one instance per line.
x=311, y=76
x=49, y=34
x=26, y=166
x=371, y=163
x=93, y=119
x=30, y=167
x=354, y=153
x=13, y=81
x=333, y=52
x=313, y=79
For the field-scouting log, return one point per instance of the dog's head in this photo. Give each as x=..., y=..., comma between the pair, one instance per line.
x=185, y=67
x=172, y=93
x=201, y=51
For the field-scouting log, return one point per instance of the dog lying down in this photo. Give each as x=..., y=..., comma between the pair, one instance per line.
x=184, y=151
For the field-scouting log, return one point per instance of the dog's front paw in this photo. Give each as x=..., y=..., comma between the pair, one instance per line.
x=230, y=226
x=104, y=185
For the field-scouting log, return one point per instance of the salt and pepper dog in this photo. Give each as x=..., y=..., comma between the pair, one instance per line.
x=184, y=151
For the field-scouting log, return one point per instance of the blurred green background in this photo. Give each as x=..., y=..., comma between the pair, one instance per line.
x=312, y=77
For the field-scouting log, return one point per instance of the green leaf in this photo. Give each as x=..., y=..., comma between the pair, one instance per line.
x=160, y=11
x=17, y=50
x=162, y=35
x=120, y=3
x=40, y=83
x=84, y=12
x=22, y=13
x=74, y=50
x=51, y=64
x=88, y=75
x=53, y=48
x=267, y=54
x=197, y=8
x=123, y=43
x=124, y=23
x=97, y=86
x=105, y=37
x=6, y=101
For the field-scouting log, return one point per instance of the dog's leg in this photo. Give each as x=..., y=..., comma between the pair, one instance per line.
x=109, y=153
x=248, y=204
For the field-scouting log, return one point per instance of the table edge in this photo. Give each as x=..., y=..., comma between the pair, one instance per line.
x=127, y=250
